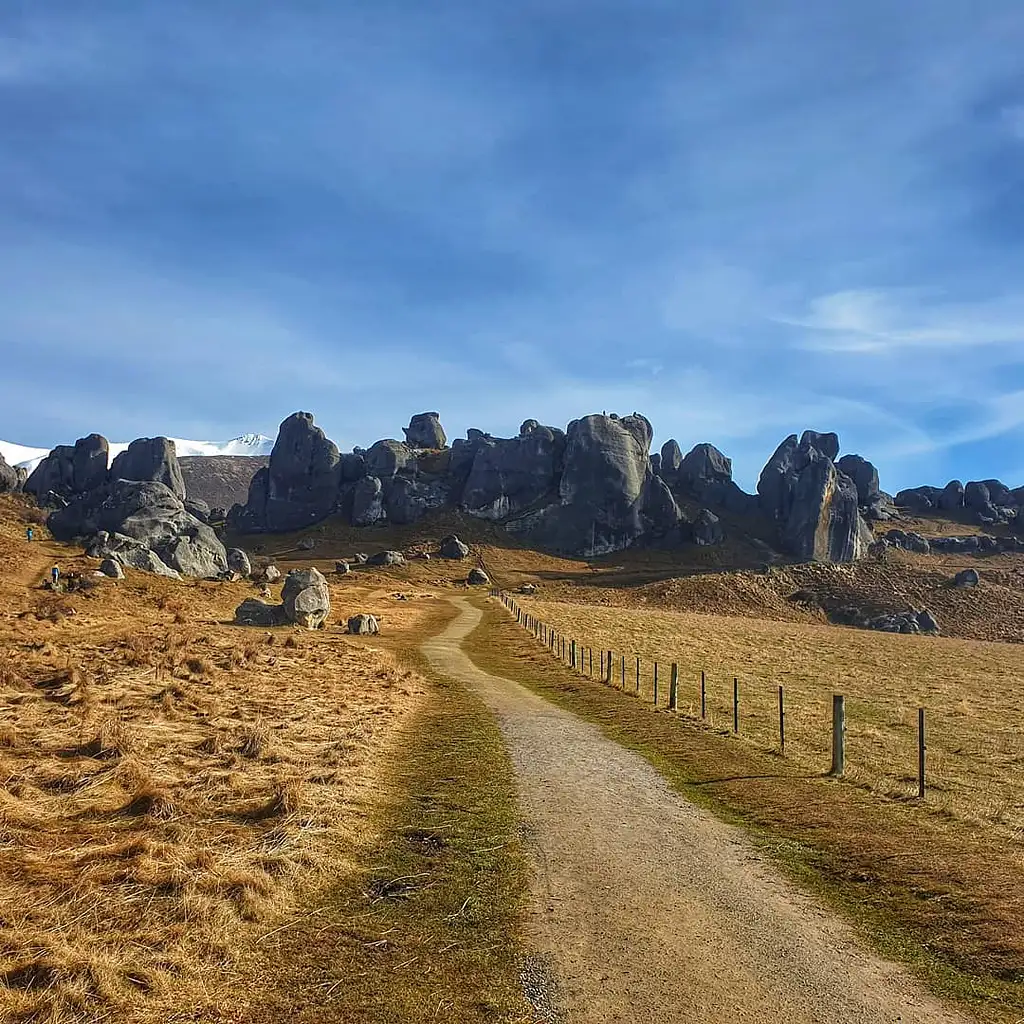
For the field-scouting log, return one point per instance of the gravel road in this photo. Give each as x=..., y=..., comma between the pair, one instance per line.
x=651, y=910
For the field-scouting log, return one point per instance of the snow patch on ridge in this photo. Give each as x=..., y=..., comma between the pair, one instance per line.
x=248, y=444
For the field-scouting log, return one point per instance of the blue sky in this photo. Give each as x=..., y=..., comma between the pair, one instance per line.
x=739, y=217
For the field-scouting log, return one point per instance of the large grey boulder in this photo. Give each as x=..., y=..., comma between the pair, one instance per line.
x=977, y=495
x=815, y=505
x=919, y=499
x=670, y=459
x=864, y=476
x=388, y=457
x=71, y=469
x=508, y=475
x=299, y=486
x=368, y=502
x=452, y=547
x=703, y=467
x=477, y=578
x=256, y=613
x=408, y=499
x=425, y=431
x=150, y=514
x=238, y=561
x=150, y=458
x=386, y=558
x=967, y=578
x=112, y=567
x=306, y=598
x=602, y=490
x=363, y=625
x=998, y=493
x=951, y=498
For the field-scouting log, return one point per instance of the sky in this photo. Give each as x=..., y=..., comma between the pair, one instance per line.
x=741, y=218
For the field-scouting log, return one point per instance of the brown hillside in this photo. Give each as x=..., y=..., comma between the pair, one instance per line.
x=220, y=480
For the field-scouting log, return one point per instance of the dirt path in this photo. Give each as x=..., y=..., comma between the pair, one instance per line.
x=655, y=911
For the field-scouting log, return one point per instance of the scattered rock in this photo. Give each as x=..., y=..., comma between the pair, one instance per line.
x=927, y=622
x=306, y=544
x=360, y=558
x=271, y=573
x=306, y=598
x=368, y=502
x=256, y=613
x=425, y=431
x=477, y=578
x=238, y=561
x=386, y=558
x=112, y=568
x=967, y=578
x=452, y=547
x=341, y=568
x=528, y=588
x=363, y=624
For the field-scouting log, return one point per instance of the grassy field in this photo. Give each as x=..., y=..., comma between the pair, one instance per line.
x=973, y=693
x=925, y=888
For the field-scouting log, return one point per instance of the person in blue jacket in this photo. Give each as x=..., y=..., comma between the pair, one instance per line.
x=29, y=533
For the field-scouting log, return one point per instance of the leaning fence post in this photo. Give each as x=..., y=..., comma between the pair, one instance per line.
x=838, y=734
x=673, y=688
x=655, y=684
x=782, y=722
x=735, y=704
x=920, y=752
x=703, y=697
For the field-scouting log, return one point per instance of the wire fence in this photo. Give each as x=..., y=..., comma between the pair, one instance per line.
x=901, y=749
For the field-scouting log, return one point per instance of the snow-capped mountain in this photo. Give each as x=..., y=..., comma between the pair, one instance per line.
x=247, y=444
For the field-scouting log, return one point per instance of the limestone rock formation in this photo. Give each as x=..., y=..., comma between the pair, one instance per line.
x=602, y=490
x=306, y=598
x=814, y=504
x=112, y=568
x=299, y=486
x=477, y=578
x=425, y=431
x=508, y=475
x=71, y=469
x=707, y=528
x=257, y=613
x=147, y=458
x=386, y=558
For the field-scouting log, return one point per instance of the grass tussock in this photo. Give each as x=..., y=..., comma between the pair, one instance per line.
x=153, y=807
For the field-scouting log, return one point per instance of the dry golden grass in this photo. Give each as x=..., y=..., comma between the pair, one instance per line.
x=169, y=782
x=973, y=692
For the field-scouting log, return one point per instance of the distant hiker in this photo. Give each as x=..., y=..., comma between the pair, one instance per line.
x=29, y=533
x=54, y=575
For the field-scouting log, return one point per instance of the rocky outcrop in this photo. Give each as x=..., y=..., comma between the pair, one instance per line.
x=602, y=491
x=386, y=558
x=477, y=578
x=151, y=516
x=425, y=431
x=147, y=458
x=967, y=578
x=707, y=529
x=72, y=469
x=257, y=613
x=815, y=505
x=299, y=486
x=507, y=476
x=367, y=502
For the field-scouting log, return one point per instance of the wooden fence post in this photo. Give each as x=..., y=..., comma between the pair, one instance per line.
x=838, y=734
x=638, y=674
x=622, y=673
x=655, y=684
x=611, y=671
x=735, y=704
x=703, y=697
x=782, y=722
x=920, y=753
x=673, y=688
x=601, y=659
x=590, y=651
